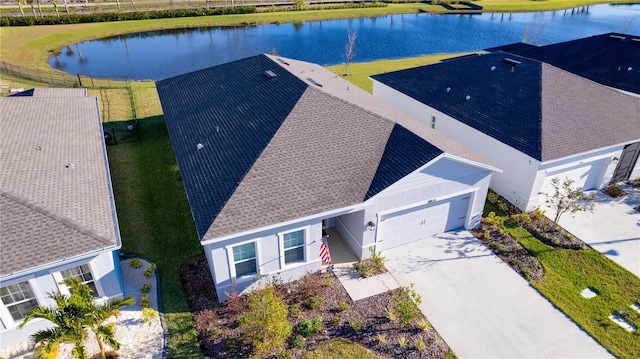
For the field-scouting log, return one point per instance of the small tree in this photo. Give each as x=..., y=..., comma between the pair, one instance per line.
x=565, y=199
x=349, y=50
x=521, y=219
x=265, y=323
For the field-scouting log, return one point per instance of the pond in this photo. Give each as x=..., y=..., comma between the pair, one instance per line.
x=162, y=54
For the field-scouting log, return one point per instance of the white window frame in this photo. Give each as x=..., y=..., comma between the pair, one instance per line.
x=64, y=289
x=232, y=263
x=305, y=233
x=5, y=314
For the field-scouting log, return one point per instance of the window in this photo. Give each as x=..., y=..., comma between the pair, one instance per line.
x=18, y=299
x=244, y=258
x=433, y=122
x=293, y=246
x=84, y=274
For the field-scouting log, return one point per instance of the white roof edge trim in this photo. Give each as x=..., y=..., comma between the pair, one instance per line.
x=319, y=216
x=58, y=263
x=472, y=162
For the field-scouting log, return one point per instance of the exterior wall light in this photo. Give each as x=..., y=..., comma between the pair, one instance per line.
x=371, y=226
x=615, y=160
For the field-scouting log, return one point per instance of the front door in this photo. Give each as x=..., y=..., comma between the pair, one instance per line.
x=625, y=163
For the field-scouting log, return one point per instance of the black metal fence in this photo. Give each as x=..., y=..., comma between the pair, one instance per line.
x=58, y=78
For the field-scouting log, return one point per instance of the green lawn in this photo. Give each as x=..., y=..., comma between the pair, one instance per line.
x=359, y=72
x=568, y=272
x=156, y=223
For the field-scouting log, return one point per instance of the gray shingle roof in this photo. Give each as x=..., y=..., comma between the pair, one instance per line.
x=541, y=110
x=323, y=155
x=49, y=211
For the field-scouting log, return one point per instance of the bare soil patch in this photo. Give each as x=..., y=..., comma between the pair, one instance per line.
x=364, y=322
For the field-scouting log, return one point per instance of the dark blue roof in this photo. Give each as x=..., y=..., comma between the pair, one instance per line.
x=516, y=46
x=611, y=59
x=233, y=110
x=26, y=93
x=404, y=153
x=504, y=101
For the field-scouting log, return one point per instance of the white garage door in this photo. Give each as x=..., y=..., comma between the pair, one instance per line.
x=585, y=175
x=415, y=223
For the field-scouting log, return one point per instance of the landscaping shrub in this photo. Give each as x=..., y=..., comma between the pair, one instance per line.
x=404, y=304
x=144, y=302
x=265, y=323
x=356, y=325
x=308, y=327
x=135, y=263
x=343, y=306
x=298, y=341
x=122, y=16
x=313, y=303
x=151, y=268
x=335, y=321
x=614, y=191
x=146, y=288
x=149, y=314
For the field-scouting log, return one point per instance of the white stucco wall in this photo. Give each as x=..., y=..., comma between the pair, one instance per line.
x=268, y=253
x=523, y=177
x=106, y=271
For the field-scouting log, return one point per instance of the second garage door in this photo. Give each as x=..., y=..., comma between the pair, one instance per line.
x=419, y=222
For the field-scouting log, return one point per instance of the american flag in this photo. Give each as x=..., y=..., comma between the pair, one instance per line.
x=324, y=251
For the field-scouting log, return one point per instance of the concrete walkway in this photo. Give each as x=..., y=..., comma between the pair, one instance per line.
x=481, y=307
x=612, y=229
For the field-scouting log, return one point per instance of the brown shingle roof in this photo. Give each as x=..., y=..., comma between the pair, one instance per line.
x=339, y=87
x=580, y=115
x=340, y=165
x=53, y=179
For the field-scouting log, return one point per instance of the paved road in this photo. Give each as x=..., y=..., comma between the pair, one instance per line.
x=481, y=307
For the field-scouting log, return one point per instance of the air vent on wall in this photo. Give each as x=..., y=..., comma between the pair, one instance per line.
x=270, y=74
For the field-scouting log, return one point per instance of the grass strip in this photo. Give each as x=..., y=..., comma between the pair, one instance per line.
x=155, y=222
x=568, y=272
x=339, y=348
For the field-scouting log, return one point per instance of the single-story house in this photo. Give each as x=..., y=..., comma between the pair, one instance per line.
x=272, y=151
x=533, y=120
x=611, y=59
x=58, y=216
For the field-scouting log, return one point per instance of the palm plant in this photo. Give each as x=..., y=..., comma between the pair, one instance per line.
x=67, y=315
x=73, y=316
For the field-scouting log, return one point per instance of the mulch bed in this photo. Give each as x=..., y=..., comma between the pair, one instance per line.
x=364, y=322
x=510, y=251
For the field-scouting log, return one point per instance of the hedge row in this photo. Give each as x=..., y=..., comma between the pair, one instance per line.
x=122, y=16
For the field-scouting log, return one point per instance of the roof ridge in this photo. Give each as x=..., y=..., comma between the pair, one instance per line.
x=56, y=217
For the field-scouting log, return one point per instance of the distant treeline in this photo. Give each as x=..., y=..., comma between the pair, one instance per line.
x=122, y=16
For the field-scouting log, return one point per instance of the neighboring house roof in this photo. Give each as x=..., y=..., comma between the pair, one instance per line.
x=50, y=211
x=516, y=46
x=538, y=109
x=280, y=145
x=611, y=59
x=52, y=92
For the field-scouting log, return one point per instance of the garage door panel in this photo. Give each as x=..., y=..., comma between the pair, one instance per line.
x=424, y=221
x=585, y=175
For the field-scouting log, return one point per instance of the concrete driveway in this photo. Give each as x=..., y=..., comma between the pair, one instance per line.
x=480, y=306
x=613, y=228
